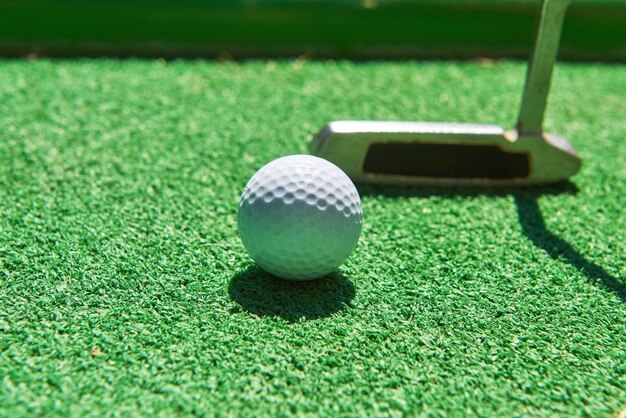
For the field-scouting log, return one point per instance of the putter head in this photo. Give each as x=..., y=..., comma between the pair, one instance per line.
x=420, y=153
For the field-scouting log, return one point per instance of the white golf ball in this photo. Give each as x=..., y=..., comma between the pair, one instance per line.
x=300, y=217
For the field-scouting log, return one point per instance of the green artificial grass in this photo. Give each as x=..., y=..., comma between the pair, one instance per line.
x=125, y=290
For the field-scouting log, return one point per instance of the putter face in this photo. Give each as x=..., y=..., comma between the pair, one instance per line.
x=416, y=153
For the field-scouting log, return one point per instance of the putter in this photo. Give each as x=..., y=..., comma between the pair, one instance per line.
x=427, y=153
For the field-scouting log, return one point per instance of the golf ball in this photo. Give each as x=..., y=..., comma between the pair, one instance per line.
x=299, y=217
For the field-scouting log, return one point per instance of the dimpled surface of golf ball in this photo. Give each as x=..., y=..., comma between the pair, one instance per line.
x=300, y=217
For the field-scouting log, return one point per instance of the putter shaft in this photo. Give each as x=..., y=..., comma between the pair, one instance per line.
x=540, y=66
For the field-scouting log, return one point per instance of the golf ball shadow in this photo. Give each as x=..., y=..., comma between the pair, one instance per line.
x=261, y=294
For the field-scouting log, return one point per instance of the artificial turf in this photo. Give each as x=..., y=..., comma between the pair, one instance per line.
x=125, y=290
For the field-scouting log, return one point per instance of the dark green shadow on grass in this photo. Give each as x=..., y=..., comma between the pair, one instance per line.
x=530, y=218
x=264, y=295
x=534, y=227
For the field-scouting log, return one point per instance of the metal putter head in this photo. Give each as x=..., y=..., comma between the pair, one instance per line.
x=444, y=153
x=460, y=153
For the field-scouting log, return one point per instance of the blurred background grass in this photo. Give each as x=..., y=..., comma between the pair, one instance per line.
x=363, y=29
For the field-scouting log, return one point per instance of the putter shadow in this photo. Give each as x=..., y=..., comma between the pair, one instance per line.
x=567, y=188
x=530, y=218
x=264, y=295
x=534, y=227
